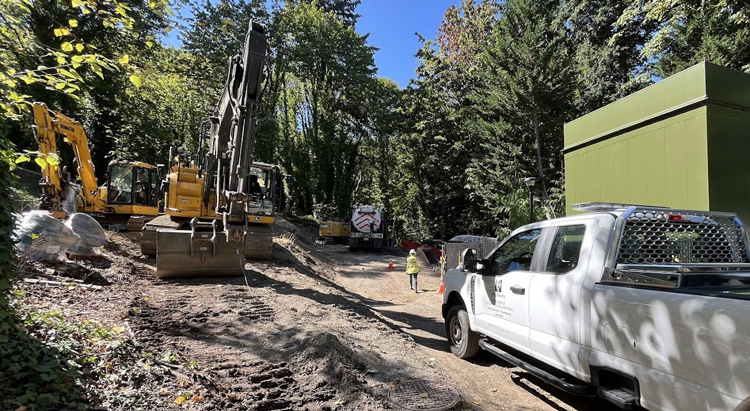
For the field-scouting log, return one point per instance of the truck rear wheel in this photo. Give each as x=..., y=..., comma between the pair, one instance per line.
x=464, y=342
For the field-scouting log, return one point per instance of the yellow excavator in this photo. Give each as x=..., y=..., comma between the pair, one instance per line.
x=132, y=188
x=220, y=206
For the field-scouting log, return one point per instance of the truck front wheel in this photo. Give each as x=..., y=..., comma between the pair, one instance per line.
x=464, y=342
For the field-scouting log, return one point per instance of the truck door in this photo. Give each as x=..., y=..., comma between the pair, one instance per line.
x=502, y=305
x=555, y=308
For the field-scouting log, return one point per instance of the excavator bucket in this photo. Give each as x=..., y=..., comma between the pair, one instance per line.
x=189, y=253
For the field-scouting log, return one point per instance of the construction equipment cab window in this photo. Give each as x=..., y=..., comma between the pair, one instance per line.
x=259, y=188
x=131, y=184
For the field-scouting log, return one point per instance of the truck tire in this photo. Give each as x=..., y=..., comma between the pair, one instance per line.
x=464, y=342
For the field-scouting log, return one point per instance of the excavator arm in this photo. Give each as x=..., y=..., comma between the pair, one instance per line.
x=48, y=124
x=232, y=135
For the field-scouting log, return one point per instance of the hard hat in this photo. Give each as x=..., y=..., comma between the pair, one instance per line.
x=412, y=251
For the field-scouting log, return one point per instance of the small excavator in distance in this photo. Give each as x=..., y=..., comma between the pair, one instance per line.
x=132, y=188
x=219, y=207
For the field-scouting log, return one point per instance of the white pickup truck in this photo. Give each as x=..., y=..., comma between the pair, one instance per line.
x=643, y=306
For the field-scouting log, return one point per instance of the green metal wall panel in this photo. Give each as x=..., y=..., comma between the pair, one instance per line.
x=728, y=86
x=682, y=88
x=682, y=142
x=665, y=163
x=729, y=160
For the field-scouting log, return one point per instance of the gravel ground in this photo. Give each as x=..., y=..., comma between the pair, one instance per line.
x=318, y=328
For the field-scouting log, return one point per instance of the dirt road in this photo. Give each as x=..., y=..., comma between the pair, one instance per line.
x=485, y=382
x=318, y=328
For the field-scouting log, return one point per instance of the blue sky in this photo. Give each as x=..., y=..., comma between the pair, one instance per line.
x=392, y=24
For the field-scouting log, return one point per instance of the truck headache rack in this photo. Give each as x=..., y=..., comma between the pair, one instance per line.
x=666, y=248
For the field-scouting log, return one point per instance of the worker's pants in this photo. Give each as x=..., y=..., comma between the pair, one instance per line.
x=413, y=281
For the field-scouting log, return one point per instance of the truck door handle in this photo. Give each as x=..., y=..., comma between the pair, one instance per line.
x=517, y=289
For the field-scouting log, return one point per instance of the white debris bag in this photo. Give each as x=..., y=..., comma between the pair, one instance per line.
x=90, y=233
x=41, y=237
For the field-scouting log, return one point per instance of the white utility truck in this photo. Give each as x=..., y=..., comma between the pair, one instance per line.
x=643, y=306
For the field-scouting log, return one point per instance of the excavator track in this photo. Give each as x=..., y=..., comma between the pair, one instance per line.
x=259, y=242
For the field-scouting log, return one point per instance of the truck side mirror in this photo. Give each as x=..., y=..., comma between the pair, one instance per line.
x=482, y=266
x=468, y=260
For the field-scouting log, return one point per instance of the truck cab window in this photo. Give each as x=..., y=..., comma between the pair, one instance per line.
x=516, y=253
x=566, y=249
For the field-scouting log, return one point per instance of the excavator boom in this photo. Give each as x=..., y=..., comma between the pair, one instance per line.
x=51, y=182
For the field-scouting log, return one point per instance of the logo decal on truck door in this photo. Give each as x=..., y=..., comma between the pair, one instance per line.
x=498, y=285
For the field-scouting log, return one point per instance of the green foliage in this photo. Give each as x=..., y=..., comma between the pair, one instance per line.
x=607, y=56
x=49, y=360
x=216, y=32
x=165, y=109
x=433, y=195
x=47, y=45
x=683, y=33
x=324, y=75
x=529, y=62
x=7, y=262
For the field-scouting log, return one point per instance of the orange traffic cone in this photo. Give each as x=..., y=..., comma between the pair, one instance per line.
x=390, y=264
x=441, y=289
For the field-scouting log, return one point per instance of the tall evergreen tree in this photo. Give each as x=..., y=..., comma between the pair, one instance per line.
x=331, y=70
x=690, y=31
x=607, y=56
x=530, y=81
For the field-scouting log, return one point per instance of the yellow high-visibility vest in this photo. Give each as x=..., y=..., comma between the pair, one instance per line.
x=412, y=265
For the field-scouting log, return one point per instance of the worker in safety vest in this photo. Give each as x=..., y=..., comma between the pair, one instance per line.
x=412, y=268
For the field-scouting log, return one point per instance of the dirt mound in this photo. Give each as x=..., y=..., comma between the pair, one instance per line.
x=332, y=362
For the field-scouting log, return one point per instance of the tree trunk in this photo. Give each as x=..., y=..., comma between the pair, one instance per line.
x=539, y=169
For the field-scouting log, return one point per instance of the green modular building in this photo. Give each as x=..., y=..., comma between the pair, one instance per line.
x=683, y=142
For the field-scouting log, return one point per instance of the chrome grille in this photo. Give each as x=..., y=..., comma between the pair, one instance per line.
x=662, y=236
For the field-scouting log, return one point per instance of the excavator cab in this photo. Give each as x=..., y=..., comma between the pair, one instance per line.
x=132, y=184
x=262, y=187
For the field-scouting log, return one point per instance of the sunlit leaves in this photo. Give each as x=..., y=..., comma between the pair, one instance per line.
x=97, y=69
x=62, y=31
x=124, y=59
x=135, y=80
x=40, y=158
x=72, y=61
